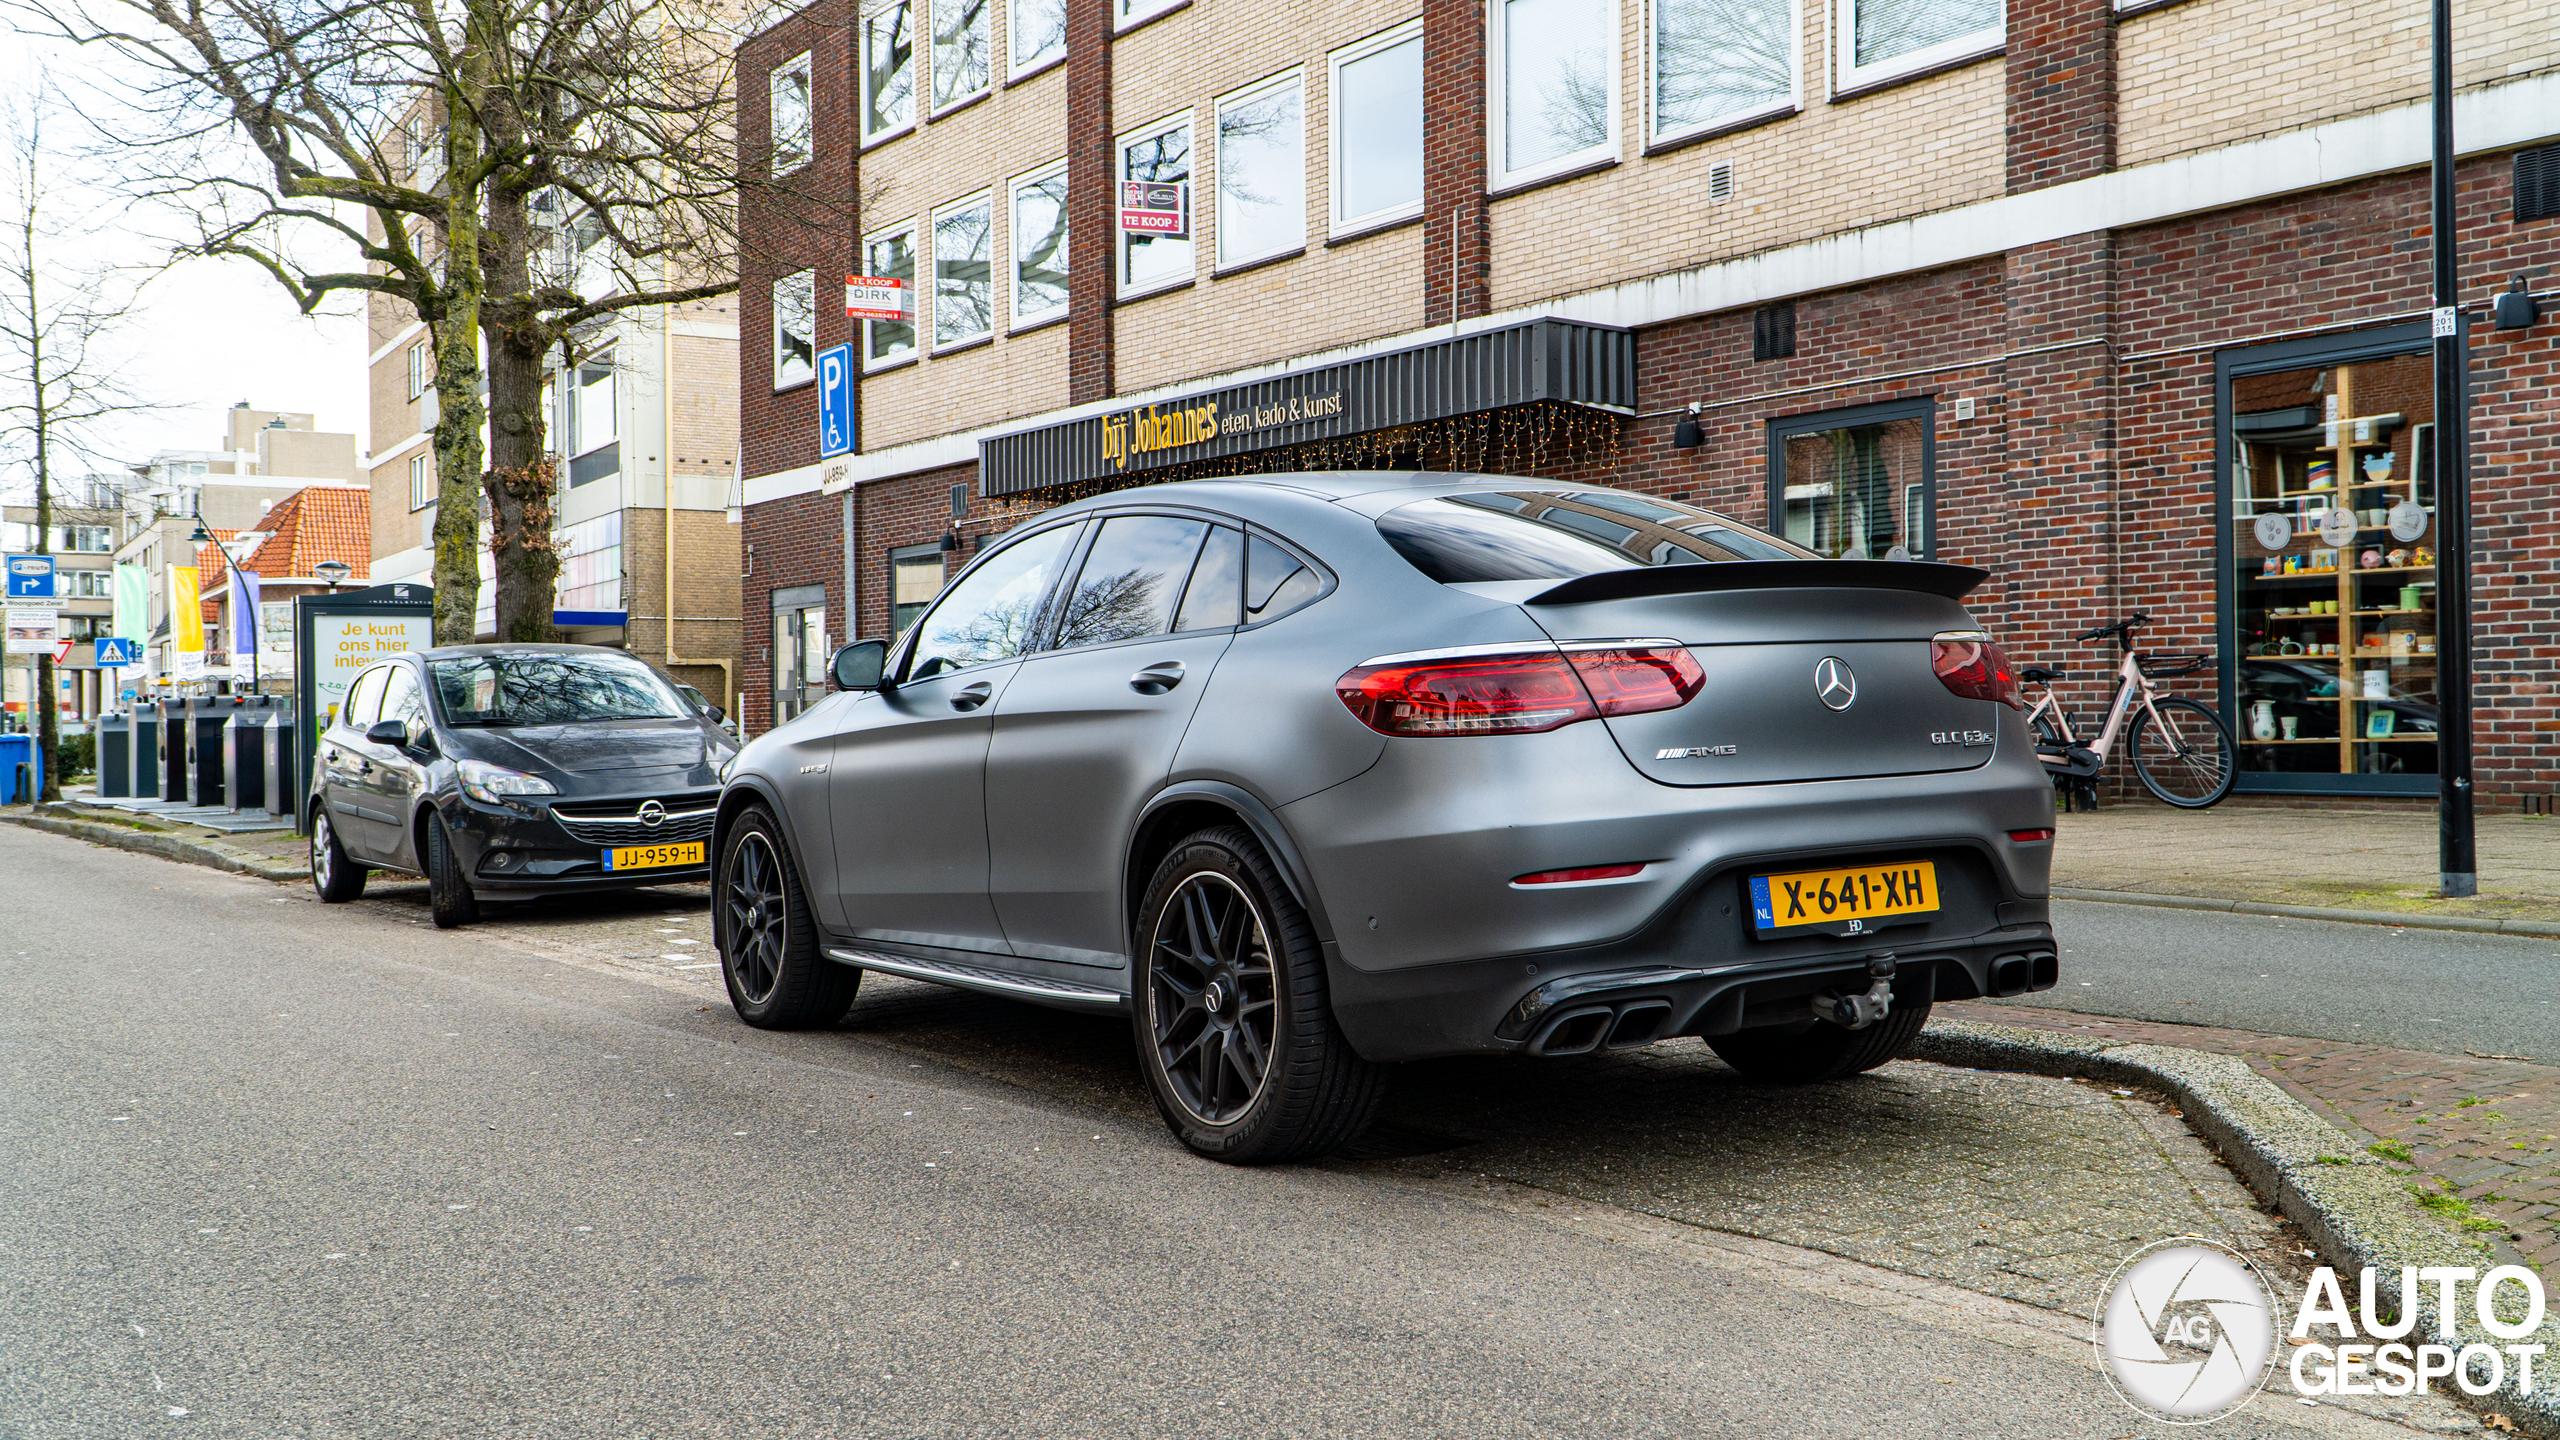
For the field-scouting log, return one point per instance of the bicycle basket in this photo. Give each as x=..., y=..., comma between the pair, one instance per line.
x=2159, y=663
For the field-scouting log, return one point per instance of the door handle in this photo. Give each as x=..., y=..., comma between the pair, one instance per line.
x=1157, y=678
x=364, y=767
x=970, y=697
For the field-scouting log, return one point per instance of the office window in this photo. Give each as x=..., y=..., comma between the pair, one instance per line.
x=88, y=539
x=422, y=480
x=963, y=61
x=891, y=254
x=888, y=69
x=1720, y=62
x=421, y=360
x=1262, y=170
x=1555, y=71
x=789, y=88
x=1040, y=247
x=1878, y=40
x=795, y=329
x=87, y=585
x=1129, y=12
x=1039, y=33
x=1161, y=154
x=915, y=577
x=593, y=416
x=963, y=273
x=1377, y=129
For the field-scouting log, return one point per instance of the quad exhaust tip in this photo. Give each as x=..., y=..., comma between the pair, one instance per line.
x=1629, y=1026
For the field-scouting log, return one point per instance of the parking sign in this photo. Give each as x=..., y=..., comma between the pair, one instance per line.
x=835, y=401
x=30, y=577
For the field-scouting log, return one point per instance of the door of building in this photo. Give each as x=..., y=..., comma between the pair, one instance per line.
x=800, y=649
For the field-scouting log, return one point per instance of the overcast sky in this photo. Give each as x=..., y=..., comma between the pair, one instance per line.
x=207, y=334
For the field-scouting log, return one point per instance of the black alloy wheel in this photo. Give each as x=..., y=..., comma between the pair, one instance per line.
x=777, y=977
x=1230, y=1014
x=338, y=876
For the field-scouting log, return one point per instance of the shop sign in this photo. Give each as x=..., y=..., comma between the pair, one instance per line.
x=878, y=297
x=1158, y=208
x=1151, y=429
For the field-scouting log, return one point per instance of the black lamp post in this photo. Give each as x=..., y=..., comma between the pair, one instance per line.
x=204, y=536
x=2457, y=860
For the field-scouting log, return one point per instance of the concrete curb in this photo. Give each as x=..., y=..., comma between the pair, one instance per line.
x=2357, y=1214
x=2544, y=928
x=167, y=847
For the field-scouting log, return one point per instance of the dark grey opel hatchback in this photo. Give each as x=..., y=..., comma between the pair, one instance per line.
x=514, y=771
x=1312, y=773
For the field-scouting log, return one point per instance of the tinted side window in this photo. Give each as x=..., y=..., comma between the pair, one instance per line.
x=403, y=700
x=1557, y=535
x=993, y=612
x=1215, y=600
x=1276, y=582
x=364, y=701
x=1131, y=579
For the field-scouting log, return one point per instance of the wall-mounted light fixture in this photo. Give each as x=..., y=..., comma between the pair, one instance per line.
x=1686, y=435
x=2515, y=309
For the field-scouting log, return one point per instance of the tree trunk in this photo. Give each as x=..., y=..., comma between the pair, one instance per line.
x=48, y=718
x=460, y=410
x=523, y=480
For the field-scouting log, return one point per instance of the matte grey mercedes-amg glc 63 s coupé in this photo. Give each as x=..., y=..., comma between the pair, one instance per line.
x=1312, y=773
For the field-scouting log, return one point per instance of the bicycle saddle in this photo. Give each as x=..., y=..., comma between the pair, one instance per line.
x=2039, y=675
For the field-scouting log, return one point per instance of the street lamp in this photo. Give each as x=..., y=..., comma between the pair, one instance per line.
x=333, y=571
x=239, y=589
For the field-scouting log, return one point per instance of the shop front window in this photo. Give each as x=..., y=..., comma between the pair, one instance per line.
x=1856, y=484
x=799, y=649
x=2333, y=545
x=915, y=577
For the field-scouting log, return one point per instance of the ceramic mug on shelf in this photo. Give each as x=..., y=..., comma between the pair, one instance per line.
x=2289, y=647
x=2290, y=722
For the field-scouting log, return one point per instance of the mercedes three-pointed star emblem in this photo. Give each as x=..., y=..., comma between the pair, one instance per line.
x=1834, y=683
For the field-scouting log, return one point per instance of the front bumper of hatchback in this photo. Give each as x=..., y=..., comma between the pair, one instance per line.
x=553, y=846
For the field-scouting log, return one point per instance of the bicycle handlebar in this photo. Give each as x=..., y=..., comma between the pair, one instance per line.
x=2122, y=630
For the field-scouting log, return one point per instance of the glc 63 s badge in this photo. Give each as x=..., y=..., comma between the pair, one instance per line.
x=1960, y=737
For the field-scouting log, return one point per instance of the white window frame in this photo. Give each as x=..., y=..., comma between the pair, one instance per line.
x=1120, y=144
x=1849, y=78
x=932, y=43
x=931, y=338
x=422, y=475
x=913, y=228
x=1497, y=37
x=1655, y=134
x=808, y=278
x=1340, y=224
x=1295, y=75
x=862, y=70
x=1019, y=319
x=1130, y=14
x=804, y=147
x=1022, y=66
x=417, y=369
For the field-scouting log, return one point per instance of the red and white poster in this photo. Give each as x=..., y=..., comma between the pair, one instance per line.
x=1160, y=208
x=878, y=297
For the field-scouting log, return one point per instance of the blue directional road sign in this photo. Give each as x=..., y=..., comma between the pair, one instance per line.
x=30, y=577
x=113, y=652
x=835, y=402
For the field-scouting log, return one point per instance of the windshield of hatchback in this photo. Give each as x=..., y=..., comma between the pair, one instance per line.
x=542, y=689
x=1560, y=534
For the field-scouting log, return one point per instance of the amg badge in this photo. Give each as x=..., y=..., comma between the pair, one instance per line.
x=1960, y=737
x=1694, y=752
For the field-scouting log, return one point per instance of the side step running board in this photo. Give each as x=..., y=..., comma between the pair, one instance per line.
x=1065, y=994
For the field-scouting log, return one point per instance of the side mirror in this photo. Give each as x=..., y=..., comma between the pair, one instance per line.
x=387, y=732
x=857, y=665
x=718, y=715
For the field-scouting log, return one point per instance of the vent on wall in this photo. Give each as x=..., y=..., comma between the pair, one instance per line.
x=1720, y=180
x=2538, y=183
x=1773, y=331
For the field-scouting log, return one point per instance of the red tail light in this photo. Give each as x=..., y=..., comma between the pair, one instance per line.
x=1631, y=679
x=1522, y=692
x=1972, y=664
x=1580, y=876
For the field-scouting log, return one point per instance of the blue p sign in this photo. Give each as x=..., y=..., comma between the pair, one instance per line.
x=30, y=577
x=835, y=401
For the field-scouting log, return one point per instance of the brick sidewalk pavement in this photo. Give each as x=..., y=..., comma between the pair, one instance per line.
x=2350, y=859
x=2476, y=1132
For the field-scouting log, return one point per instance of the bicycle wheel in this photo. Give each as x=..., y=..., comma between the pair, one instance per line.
x=2191, y=763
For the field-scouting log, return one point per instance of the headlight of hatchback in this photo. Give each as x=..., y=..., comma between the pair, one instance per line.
x=486, y=782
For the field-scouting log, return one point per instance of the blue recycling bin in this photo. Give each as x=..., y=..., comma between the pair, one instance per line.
x=17, y=751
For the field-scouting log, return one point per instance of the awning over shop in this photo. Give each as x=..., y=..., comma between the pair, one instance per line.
x=1538, y=360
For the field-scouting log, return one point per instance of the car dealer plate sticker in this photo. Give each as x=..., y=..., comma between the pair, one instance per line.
x=1847, y=901
x=653, y=857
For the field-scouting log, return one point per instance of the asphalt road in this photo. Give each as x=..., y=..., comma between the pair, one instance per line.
x=274, y=1169
x=2445, y=991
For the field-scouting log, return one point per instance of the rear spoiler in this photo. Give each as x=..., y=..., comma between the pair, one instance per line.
x=1927, y=577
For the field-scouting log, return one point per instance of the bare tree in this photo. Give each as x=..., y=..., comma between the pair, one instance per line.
x=56, y=318
x=512, y=172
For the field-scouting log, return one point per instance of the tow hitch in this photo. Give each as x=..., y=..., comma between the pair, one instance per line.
x=1857, y=1012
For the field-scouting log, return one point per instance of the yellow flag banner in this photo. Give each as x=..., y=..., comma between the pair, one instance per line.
x=186, y=611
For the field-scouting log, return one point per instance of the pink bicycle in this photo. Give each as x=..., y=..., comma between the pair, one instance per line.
x=2181, y=749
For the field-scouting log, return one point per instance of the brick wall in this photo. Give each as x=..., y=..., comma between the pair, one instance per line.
x=1092, y=167
x=806, y=220
x=2061, y=74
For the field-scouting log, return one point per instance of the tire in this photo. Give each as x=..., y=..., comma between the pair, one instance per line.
x=1228, y=971
x=1821, y=1050
x=2194, y=764
x=449, y=896
x=777, y=977
x=338, y=876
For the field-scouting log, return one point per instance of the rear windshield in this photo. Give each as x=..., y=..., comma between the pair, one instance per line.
x=1559, y=534
x=550, y=689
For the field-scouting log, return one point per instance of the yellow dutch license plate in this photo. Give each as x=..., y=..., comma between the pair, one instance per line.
x=653, y=857
x=1847, y=901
